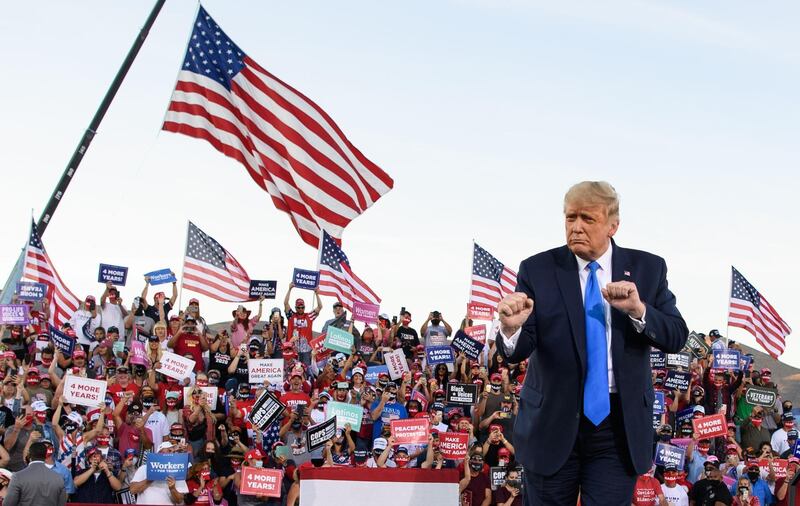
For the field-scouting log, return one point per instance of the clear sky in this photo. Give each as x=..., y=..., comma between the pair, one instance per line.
x=483, y=111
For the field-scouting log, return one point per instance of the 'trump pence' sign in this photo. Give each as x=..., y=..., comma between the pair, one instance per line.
x=175, y=366
x=710, y=426
x=84, y=391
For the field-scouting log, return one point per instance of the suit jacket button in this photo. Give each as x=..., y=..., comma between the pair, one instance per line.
x=577, y=416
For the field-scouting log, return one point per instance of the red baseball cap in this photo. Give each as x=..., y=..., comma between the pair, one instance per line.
x=193, y=301
x=300, y=302
x=254, y=454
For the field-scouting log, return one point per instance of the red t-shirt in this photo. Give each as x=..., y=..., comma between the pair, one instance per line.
x=475, y=492
x=190, y=344
x=116, y=391
x=646, y=491
x=129, y=437
x=301, y=322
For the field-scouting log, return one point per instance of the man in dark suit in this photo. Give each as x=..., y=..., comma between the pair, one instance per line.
x=586, y=315
x=36, y=485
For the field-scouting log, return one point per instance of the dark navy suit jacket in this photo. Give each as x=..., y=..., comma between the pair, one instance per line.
x=554, y=338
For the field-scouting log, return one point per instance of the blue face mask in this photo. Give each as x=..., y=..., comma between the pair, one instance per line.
x=258, y=463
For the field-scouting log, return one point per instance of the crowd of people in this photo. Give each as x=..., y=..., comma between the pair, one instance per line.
x=101, y=452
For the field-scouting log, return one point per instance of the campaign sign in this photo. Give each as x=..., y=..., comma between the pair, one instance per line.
x=477, y=332
x=683, y=415
x=62, y=342
x=477, y=311
x=760, y=396
x=162, y=465
x=411, y=431
x=175, y=366
x=710, y=426
x=14, y=314
x=308, y=280
x=678, y=380
x=265, y=410
x=453, y=445
x=211, y=395
x=778, y=465
x=682, y=442
x=397, y=363
x=658, y=360
x=744, y=362
x=681, y=360
x=658, y=403
x=339, y=340
x=697, y=345
x=114, y=273
x=260, y=481
x=320, y=434
x=161, y=276
x=269, y=369
x=462, y=342
x=84, y=391
x=461, y=393
x=318, y=345
x=668, y=454
x=727, y=359
x=28, y=290
x=372, y=373
x=138, y=353
x=439, y=355
x=365, y=312
x=259, y=287
x=497, y=476
x=344, y=413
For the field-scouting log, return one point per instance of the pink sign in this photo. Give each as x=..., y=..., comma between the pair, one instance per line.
x=710, y=426
x=477, y=332
x=257, y=481
x=138, y=354
x=478, y=311
x=365, y=312
x=453, y=445
x=410, y=431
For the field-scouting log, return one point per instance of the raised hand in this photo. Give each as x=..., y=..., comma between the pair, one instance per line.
x=514, y=311
x=624, y=296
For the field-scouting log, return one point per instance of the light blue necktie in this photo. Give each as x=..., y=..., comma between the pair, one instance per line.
x=596, y=404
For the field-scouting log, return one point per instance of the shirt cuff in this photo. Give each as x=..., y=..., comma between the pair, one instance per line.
x=510, y=342
x=639, y=323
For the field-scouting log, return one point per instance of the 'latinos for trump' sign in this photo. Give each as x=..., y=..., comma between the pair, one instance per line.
x=259, y=481
x=710, y=426
x=162, y=465
x=339, y=340
x=344, y=413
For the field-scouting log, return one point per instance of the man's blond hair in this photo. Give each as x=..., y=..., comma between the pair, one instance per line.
x=594, y=193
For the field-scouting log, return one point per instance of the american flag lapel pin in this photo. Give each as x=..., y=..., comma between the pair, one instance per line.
x=627, y=273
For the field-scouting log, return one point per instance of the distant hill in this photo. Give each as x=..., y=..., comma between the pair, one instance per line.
x=785, y=376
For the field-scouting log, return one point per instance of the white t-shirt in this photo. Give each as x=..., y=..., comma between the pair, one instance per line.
x=158, y=491
x=112, y=317
x=675, y=496
x=780, y=441
x=157, y=423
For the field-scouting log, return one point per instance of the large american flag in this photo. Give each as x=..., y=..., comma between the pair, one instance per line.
x=209, y=269
x=337, y=279
x=749, y=310
x=491, y=280
x=38, y=267
x=290, y=147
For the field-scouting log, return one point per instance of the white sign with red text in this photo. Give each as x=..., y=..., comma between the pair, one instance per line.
x=84, y=391
x=396, y=362
x=175, y=366
x=211, y=395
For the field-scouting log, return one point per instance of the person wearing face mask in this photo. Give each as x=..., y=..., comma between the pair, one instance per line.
x=154, y=420
x=753, y=432
x=710, y=490
x=696, y=456
x=435, y=330
x=298, y=329
x=510, y=494
x=253, y=458
x=97, y=483
x=744, y=495
x=504, y=416
x=780, y=440
x=71, y=437
x=792, y=436
x=169, y=491
x=494, y=443
x=386, y=409
x=675, y=495
x=132, y=432
x=293, y=435
x=111, y=309
x=341, y=451
x=403, y=332
x=758, y=488
x=719, y=391
x=475, y=488
x=199, y=482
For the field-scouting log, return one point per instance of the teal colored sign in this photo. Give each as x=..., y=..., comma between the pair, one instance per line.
x=344, y=413
x=339, y=340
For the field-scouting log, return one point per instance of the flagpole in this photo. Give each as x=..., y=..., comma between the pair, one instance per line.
x=183, y=266
x=469, y=286
x=728, y=306
x=86, y=140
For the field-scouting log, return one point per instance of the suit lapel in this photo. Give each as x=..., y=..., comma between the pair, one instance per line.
x=570, y=285
x=620, y=271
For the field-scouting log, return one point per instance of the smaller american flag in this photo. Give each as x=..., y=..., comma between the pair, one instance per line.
x=749, y=310
x=337, y=279
x=491, y=280
x=209, y=269
x=38, y=267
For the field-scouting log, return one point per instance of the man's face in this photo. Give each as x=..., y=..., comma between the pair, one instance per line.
x=588, y=230
x=337, y=311
x=300, y=309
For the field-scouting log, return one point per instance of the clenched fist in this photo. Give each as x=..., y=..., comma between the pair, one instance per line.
x=624, y=296
x=514, y=310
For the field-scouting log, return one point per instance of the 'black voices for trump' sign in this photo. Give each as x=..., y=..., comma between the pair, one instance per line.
x=461, y=393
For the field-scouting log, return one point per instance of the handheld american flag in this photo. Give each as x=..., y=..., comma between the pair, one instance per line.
x=38, y=267
x=749, y=310
x=337, y=279
x=209, y=269
x=290, y=147
x=491, y=280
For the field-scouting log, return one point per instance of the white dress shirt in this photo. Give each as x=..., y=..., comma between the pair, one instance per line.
x=604, y=277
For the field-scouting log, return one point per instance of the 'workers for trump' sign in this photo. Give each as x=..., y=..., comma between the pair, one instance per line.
x=162, y=465
x=84, y=391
